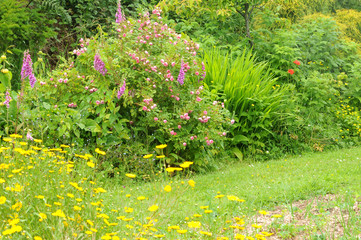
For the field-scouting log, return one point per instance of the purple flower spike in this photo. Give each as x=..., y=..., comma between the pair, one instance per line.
x=121, y=90
x=99, y=65
x=7, y=99
x=180, y=78
x=27, y=70
x=119, y=16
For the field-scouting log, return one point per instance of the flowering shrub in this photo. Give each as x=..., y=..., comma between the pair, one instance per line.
x=131, y=90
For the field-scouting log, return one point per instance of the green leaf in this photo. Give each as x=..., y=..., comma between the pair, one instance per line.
x=240, y=138
x=238, y=153
x=97, y=129
x=2, y=88
x=81, y=125
x=5, y=79
x=46, y=105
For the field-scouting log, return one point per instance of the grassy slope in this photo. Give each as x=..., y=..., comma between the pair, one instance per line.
x=262, y=184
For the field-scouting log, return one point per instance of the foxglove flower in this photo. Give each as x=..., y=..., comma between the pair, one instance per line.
x=180, y=78
x=7, y=99
x=121, y=90
x=99, y=65
x=27, y=70
x=119, y=16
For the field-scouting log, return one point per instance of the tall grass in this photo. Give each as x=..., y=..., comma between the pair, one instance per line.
x=250, y=91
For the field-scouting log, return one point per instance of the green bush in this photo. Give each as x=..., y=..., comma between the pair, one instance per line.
x=123, y=92
x=316, y=43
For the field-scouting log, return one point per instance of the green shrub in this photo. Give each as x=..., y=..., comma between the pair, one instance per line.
x=133, y=102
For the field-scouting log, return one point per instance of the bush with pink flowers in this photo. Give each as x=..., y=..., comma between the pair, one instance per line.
x=130, y=90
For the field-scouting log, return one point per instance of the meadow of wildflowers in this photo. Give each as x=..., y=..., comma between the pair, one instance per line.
x=54, y=193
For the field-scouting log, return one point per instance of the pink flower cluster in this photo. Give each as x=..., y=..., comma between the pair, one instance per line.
x=209, y=142
x=193, y=137
x=91, y=90
x=204, y=119
x=82, y=48
x=99, y=102
x=72, y=105
x=63, y=80
x=150, y=105
x=185, y=116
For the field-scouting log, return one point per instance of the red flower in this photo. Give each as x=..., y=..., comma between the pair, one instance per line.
x=291, y=71
x=297, y=62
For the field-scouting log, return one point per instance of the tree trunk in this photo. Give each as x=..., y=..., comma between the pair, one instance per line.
x=247, y=19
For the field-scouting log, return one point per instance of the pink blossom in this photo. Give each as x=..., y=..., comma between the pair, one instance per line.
x=155, y=119
x=7, y=99
x=121, y=90
x=199, y=99
x=192, y=137
x=184, y=144
x=232, y=121
x=165, y=121
x=29, y=137
x=179, y=126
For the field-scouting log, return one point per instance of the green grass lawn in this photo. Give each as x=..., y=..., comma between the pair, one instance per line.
x=263, y=185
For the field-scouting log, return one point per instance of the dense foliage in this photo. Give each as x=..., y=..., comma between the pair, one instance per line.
x=127, y=91
x=286, y=70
